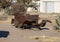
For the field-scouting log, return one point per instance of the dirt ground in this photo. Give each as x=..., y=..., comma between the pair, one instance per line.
x=18, y=35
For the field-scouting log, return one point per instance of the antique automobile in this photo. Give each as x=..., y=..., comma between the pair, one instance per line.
x=26, y=21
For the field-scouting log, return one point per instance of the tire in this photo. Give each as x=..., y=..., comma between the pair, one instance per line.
x=16, y=26
x=26, y=26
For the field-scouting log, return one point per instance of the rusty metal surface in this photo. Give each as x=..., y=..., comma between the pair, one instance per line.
x=22, y=18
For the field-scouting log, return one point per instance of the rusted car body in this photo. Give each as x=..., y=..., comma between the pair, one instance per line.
x=21, y=20
x=26, y=21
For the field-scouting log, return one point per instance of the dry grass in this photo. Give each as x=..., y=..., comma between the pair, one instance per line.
x=45, y=38
x=8, y=20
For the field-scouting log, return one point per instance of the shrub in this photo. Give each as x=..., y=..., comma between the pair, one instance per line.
x=58, y=23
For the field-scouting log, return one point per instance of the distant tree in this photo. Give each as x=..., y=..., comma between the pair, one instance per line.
x=4, y=3
x=27, y=1
x=17, y=8
x=24, y=1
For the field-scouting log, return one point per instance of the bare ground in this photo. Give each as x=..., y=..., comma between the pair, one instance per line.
x=18, y=35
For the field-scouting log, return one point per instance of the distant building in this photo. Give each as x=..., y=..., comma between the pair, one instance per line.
x=50, y=6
